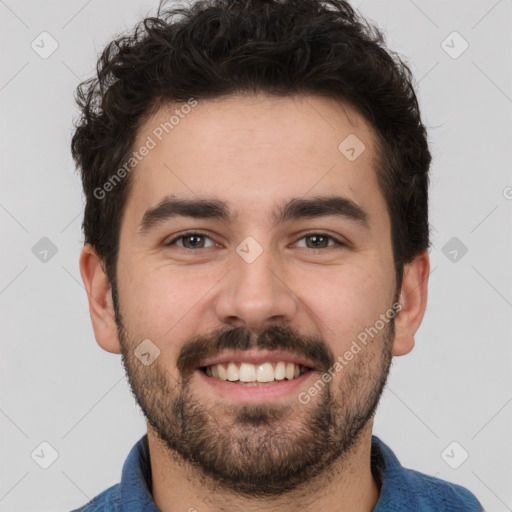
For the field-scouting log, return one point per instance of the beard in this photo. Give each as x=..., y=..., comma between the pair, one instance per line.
x=259, y=450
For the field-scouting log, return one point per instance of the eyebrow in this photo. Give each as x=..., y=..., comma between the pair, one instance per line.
x=295, y=209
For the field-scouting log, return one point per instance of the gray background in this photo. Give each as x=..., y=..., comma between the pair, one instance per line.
x=58, y=386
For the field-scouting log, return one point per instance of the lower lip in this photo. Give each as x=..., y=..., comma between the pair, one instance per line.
x=259, y=393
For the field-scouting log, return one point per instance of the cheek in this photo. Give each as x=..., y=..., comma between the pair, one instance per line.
x=164, y=303
x=345, y=304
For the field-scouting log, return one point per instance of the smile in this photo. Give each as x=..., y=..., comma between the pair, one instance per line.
x=254, y=374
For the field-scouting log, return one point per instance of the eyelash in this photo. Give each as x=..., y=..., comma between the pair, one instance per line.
x=306, y=235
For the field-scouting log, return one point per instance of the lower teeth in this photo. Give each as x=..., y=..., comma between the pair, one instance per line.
x=256, y=383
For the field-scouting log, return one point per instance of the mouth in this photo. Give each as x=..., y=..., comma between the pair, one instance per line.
x=255, y=376
x=248, y=374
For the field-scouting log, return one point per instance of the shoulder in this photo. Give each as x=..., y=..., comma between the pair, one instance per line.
x=107, y=501
x=441, y=494
x=407, y=489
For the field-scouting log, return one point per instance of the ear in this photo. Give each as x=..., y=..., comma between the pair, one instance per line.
x=99, y=295
x=413, y=299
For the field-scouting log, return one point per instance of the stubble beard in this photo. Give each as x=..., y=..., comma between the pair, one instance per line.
x=261, y=450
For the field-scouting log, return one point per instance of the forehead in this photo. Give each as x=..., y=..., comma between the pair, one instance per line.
x=253, y=151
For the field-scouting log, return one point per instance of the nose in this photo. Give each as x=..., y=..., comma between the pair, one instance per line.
x=255, y=294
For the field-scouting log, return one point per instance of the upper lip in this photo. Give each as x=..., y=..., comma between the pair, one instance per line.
x=256, y=357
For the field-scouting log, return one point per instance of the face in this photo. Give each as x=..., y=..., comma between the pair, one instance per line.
x=254, y=254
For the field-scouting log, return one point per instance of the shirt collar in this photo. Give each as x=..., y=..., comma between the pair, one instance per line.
x=136, y=480
x=397, y=483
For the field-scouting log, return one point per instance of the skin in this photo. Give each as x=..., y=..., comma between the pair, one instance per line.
x=255, y=153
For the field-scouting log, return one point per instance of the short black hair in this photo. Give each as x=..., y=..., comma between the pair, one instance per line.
x=216, y=48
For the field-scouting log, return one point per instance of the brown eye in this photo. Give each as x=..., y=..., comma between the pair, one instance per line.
x=190, y=241
x=319, y=241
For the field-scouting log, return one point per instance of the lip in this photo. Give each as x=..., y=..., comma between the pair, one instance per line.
x=255, y=394
x=256, y=357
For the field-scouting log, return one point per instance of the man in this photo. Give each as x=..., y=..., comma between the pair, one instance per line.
x=256, y=237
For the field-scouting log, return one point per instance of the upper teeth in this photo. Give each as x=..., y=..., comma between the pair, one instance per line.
x=246, y=372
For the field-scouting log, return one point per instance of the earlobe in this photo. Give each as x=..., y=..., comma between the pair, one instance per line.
x=99, y=296
x=413, y=299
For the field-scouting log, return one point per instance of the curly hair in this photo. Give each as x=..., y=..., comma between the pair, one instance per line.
x=216, y=48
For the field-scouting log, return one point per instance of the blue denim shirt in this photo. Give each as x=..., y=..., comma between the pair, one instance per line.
x=402, y=489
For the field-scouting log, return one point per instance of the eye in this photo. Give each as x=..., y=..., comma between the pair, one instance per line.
x=190, y=241
x=320, y=241
x=197, y=240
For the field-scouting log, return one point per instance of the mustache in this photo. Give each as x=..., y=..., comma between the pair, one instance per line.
x=275, y=337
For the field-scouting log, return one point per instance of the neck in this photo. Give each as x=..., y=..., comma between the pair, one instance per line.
x=348, y=486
